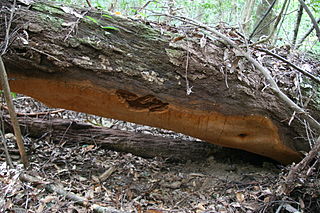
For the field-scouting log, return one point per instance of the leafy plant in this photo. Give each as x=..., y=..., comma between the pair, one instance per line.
x=315, y=5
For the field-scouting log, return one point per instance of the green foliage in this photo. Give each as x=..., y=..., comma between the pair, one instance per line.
x=99, y=5
x=107, y=16
x=92, y=19
x=208, y=5
x=315, y=5
x=98, y=22
x=212, y=12
x=311, y=44
x=110, y=28
x=13, y=94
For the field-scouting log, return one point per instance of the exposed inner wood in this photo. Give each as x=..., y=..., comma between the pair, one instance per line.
x=251, y=133
x=138, y=74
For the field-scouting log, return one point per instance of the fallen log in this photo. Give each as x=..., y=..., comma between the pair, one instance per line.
x=144, y=145
x=140, y=144
x=133, y=72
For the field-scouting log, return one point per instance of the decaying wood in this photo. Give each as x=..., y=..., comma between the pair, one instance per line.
x=139, y=73
x=144, y=145
x=273, y=85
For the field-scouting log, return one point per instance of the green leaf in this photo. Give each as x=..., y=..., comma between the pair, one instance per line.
x=92, y=19
x=107, y=16
x=110, y=28
x=134, y=10
x=13, y=94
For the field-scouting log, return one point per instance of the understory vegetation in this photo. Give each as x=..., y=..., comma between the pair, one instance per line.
x=241, y=14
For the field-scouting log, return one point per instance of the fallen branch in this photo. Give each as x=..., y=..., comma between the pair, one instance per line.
x=316, y=79
x=288, y=186
x=104, y=176
x=69, y=195
x=238, y=117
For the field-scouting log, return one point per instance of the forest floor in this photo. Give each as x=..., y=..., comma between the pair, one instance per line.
x=128, y=183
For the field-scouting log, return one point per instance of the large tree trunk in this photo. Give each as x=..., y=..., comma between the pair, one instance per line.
x=133, y=72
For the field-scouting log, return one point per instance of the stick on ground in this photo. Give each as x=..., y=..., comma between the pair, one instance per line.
x=69, y=195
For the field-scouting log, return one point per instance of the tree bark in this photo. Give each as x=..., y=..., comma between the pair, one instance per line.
x=264, y=20
x=144, y=145
x=247, y=16
x=129, y=70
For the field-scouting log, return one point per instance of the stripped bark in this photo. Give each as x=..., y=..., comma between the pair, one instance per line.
x=137, y=72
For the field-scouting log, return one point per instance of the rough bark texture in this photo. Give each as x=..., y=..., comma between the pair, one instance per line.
x=139, y=144
x=136, y=73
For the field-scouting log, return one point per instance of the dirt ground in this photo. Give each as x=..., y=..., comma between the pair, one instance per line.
x=233, y=181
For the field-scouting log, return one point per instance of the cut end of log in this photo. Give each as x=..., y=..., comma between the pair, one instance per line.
x=254, y=133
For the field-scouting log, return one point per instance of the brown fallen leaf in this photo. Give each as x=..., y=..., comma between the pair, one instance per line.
x=153, y=211
x=240, y=197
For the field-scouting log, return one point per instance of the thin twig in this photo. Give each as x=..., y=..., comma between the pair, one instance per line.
x=7, y=93
x=262, y=19
x=69, y=195
x=8, y=27
x=44, y=53
x=88, y=2
x=188, y=88
x=143, y=7
x=6, y=151
x=275, y=38
x=12, y=112
x=313, y=20
x=75, y=25
x=297, y=26
x=306, y=35
x=274, y=27
x=288, y=186
x=316, y=79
